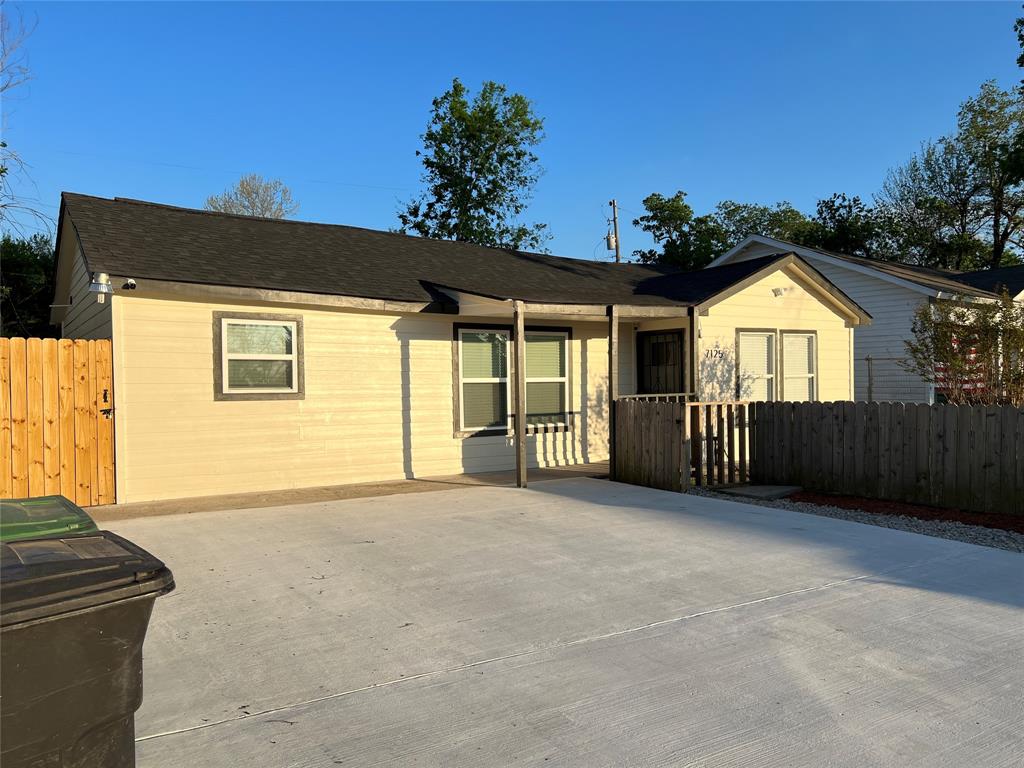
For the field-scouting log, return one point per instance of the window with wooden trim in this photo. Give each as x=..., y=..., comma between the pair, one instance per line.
x=259, y=356
x=755, y=365
x=483, y=379
x=484, y=389
x=799, y=366
x=547, y=378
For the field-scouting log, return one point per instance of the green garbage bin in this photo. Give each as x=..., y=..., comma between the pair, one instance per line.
x=40, y=517
x=74, y=616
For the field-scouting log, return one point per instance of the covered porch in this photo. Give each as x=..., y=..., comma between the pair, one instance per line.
x=650, y=355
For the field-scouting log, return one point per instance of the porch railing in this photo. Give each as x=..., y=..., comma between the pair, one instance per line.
x=665, y=397
x=679, y=445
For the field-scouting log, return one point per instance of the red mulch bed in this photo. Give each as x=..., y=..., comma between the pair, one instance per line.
x=881, y=507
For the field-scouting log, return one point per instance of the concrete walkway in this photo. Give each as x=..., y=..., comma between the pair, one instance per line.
x=290, y=497
x=580, y=623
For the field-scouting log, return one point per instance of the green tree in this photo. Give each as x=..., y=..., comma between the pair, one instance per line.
x=932, y=205
x=990, y=128
x=1018, y=27
x=685, y=241
x=738, y=220
x=479, y=169
x=845, y=225
x=26, y=286
x=254, y=195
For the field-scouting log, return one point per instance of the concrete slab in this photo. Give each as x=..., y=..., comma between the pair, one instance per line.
x=764, y=492
x=578, y=622
x=293, y=496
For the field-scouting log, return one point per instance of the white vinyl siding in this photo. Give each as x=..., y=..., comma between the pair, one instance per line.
x=757, y=366
x=483, y=368
x=259, y=356
x=799, y=368
x=547, y=381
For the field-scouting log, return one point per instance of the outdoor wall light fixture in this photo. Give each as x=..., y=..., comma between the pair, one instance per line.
x=777, y=292
x=101, y=286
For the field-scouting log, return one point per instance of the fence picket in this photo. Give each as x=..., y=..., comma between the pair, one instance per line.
x=19, y=419
x=6, y=479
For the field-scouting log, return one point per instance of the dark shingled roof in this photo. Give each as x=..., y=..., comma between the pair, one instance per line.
x=130, y=238
x=995, y=280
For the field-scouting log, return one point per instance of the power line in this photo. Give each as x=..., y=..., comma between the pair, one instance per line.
x=182, y=166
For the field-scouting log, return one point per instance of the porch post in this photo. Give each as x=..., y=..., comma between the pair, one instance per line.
x=519, y=342
x=613, y=382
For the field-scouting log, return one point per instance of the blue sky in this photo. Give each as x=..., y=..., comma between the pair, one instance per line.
x=753, y=102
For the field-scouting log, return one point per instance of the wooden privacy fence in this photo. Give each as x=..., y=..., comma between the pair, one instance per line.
x=674, y=446
x=56, y=419
x=963, y=456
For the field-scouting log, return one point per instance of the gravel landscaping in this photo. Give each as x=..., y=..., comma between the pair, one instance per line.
x=944, y=529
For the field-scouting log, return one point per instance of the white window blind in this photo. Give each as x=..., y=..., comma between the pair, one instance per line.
x=756, y=366
x=483, y=365
x=798, y=366
x=259, y=356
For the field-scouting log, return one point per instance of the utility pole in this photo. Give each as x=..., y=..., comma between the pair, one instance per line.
x=615, y=229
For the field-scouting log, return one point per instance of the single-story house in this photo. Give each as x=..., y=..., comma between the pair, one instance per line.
x=890, y=292
x=256, y=354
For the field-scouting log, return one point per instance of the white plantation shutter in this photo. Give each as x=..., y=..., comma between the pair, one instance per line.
x=757, y=366
x=798, y=366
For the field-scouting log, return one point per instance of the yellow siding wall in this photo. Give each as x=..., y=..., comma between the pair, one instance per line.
x=378, y=405
x=86, y=318
x=755, y=307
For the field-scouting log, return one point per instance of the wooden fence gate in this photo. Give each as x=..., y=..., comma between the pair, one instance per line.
x=57, y=419
x=674, y=446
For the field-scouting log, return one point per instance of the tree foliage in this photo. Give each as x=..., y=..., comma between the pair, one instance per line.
x=479, y=169
x=254, y=195
x=971, y=352
x=846, y=225
x=737, y=220
x=685, y=241
x=932, y=204
x=990, y=127
x=26, y=286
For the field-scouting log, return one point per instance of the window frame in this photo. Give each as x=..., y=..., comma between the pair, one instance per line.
x=458, y=430
x=461, y=381
x=773, y=377
x=813, y=375
x=221, y=357
x=563, y=380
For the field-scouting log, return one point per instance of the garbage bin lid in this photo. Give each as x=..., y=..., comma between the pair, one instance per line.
x=41, y=578
x=42, y=516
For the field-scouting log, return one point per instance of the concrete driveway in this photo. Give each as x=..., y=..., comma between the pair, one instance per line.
x=580, y=623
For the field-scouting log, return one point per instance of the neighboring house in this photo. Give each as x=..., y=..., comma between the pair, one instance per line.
x=890, y=292
x=255, y=354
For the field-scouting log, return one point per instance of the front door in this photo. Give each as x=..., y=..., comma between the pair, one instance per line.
x=659, y=362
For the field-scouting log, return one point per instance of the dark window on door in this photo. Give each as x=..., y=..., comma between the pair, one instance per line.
x=659, y=361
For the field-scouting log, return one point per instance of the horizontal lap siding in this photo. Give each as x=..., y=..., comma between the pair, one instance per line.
x=378, y=405
x=757, y=307
x=86, y=318
x=892, y=309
